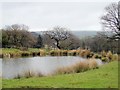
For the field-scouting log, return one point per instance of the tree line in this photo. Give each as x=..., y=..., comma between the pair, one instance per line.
x=17, y=36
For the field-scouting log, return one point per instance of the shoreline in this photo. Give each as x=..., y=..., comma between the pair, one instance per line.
x=32, y=52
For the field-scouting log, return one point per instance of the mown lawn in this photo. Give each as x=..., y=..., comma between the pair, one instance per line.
x=104, y=77
x=0, y=83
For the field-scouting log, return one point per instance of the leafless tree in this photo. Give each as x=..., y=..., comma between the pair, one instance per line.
x=111, y=21
x=58, y=34
x=73, y=42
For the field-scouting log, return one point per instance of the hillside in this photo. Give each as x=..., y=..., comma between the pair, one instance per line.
x=80, y=34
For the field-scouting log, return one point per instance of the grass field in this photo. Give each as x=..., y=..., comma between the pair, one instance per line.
x=14, y=51
x=0, y=83
x=104, y=77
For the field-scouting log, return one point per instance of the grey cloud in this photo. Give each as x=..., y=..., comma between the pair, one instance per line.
x=77, y=15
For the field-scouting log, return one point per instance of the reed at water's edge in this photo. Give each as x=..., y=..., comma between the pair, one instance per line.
x=78, y=67
x=31, y=52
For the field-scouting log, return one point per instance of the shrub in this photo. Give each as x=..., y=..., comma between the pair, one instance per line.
x=64, y=52
x=85, y=53
x=78, y=52
x=97, y=56
x=54, y=52
x=65, y=70
x=78, y=67
x=28, y=73
x=91, y=54
x=82, y=53
x=25, y=53
x=92, y=64
x=1, y=55
x=42, y=53
x=115, y=57
x=109, y=55
x=103, y=53
x=73, y=52
x=105, y=59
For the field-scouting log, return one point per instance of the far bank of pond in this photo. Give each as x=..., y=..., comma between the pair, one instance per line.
x=13, y=52
x=33, y=52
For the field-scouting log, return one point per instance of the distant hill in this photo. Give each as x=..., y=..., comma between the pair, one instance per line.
x=83, y=34
x=80, y=34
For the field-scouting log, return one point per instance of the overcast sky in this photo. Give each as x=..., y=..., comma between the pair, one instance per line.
x=45, y=15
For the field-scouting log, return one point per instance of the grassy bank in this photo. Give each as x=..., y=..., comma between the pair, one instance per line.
x=104, y=77
x=0, y=83
x=12, y=52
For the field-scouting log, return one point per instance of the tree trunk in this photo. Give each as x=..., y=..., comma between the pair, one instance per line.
x=58, y=45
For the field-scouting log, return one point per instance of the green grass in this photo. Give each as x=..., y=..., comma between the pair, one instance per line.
x=13, y=50
x=0, y=83
x=17, y=52
x=104, y=77
x=10, y=50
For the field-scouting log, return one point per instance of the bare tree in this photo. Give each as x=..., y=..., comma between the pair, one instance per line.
x=73, y=42
x=58, y=34
x=111, y=21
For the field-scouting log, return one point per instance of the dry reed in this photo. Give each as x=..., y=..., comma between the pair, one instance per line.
x=115, y=57
x=103, y=53
x=78, y=67
x=109, y=55
x=42, y=52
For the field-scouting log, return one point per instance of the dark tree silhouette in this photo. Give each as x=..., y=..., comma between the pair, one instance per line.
x=39, y=43
x=17, y=36
x=111, y=21
x=58, y=34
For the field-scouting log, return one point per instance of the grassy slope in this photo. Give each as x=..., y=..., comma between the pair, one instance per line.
x=0, y=83
x=104, y=77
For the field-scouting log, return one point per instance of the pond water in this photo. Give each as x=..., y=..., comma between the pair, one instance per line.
x=38, y=65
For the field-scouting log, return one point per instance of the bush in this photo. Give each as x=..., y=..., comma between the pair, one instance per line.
x=64, y=52
x=42, y=53
x=73, y=52
x=115, y=57
x=105, y=59
x=103, y=53
x=109, y=55
x=54, y=52
x=92, y=64
x=25, y=53
x=82, y=53
x=91, y=54
x=78, y=67
x=97, y=56
x=85, y=53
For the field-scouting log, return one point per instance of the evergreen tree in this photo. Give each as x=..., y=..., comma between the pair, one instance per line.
x=39, y=42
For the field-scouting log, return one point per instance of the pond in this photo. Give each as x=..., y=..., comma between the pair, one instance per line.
x=20, y=67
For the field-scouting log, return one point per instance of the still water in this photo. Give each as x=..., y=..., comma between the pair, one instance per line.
x=37, y=65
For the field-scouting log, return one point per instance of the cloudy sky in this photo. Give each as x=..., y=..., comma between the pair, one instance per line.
x=45, y=15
